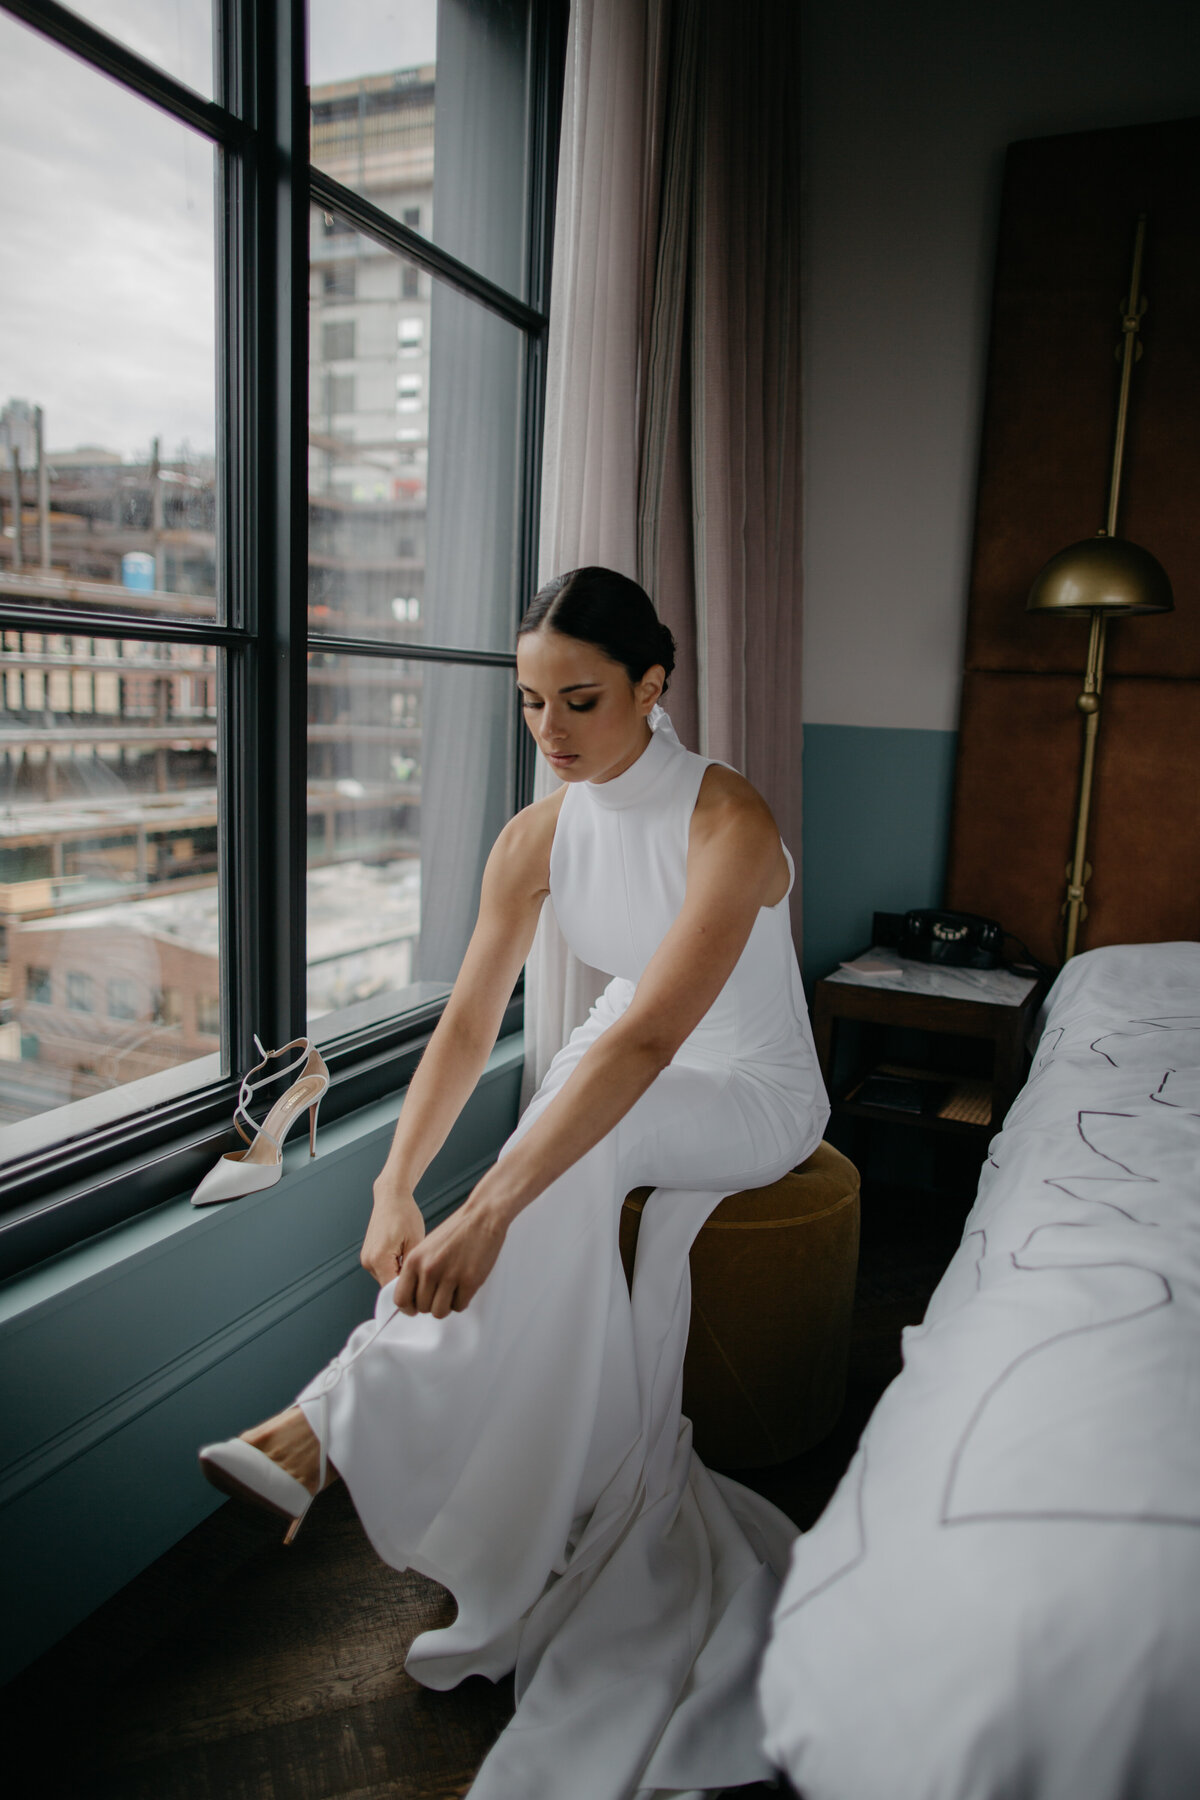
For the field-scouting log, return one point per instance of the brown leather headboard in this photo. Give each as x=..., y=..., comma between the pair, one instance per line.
x=1069, y=212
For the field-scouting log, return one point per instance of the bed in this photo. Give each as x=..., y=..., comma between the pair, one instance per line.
x=1002, y=1600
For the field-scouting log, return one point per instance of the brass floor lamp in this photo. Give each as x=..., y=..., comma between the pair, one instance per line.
x=1098, y=579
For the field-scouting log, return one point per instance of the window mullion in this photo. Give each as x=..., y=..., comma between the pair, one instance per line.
x=267, y=833
x=548, y=59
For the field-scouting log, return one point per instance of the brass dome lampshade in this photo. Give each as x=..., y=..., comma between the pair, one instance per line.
x=1101, y=574
x=1097, y=579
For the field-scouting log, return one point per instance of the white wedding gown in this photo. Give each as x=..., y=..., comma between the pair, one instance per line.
x=529, y=1453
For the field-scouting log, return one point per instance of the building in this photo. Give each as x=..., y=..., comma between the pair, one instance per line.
x=108, y=771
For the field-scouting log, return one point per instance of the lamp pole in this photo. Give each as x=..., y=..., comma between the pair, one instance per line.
x=1079, y=871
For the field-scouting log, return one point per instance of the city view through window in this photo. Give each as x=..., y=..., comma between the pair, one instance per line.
x=110, y=826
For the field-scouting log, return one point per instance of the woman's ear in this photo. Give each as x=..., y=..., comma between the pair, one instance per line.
x=650, y=687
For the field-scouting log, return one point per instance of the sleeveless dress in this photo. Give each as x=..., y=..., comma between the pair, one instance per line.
x=529, y=1453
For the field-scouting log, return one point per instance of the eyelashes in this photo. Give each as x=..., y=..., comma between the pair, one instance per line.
x=578, y=706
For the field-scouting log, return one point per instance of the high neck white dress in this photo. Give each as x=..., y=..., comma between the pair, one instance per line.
x=529, y=1453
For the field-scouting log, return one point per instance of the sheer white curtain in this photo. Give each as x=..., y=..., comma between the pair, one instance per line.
x=672, y=447
x=607, y=177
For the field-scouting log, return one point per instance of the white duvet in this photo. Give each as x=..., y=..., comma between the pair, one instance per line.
x=1002, y=1600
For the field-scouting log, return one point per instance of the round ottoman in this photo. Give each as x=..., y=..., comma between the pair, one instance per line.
x=773, y=1272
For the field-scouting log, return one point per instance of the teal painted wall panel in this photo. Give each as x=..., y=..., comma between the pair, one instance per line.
x=876, y=822
x=120, y=1357
x=102, y=1515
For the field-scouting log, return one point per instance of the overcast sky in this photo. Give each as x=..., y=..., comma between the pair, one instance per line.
x=367, y=37
x=106, y=218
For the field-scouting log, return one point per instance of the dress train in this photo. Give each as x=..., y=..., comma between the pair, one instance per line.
x=529, y=1454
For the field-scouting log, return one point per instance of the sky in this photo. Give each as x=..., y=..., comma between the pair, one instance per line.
x=106, y=218
x=366, y=37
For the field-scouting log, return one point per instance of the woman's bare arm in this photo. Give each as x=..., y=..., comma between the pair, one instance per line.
x=735, y=866
x=515, y=884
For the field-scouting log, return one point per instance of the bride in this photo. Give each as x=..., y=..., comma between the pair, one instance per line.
x=508, y=1422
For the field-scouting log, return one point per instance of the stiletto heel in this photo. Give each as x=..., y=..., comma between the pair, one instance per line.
x=260, y=1165
x=237, y=1468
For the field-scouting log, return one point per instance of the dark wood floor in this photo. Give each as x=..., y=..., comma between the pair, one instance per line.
x=234, y=1669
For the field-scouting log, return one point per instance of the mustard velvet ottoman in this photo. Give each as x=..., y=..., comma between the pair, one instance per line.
x=773, y=1273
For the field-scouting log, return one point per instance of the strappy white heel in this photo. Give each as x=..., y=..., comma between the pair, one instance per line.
x=246, y=1171
x=237, y=1468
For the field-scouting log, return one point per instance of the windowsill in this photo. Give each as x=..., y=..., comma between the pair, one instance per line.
x=168, y=1225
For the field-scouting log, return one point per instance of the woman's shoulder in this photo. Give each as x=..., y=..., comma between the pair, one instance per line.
x=522, y=851
x=726, y=797
x=733, y=823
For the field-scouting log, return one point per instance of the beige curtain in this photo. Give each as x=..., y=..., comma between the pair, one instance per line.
x=672, y=447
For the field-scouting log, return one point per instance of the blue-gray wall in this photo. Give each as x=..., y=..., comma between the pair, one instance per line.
x=119, y=1358
x=876, y=810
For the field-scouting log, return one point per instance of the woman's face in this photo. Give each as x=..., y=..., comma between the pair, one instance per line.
x=587, y=718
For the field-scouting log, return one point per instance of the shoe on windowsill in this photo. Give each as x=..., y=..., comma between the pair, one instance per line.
x=259, y=1166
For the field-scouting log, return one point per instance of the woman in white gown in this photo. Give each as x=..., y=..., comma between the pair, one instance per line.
x=509, y=1421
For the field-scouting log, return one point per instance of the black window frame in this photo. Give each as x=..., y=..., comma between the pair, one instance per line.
x=55, y=1197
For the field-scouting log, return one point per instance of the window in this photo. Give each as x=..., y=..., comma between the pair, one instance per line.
x=337, y=341
x=186, y=813
x=339, y=282
x=340, y=394
x=38, y=991
x=122, y=998
x=81, y=991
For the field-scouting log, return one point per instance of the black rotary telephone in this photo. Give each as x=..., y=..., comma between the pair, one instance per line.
x=956, y=940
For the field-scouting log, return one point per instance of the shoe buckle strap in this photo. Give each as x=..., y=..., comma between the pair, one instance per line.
x=248, y=1087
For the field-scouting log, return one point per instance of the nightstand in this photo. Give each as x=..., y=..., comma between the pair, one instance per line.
x=959, y=1091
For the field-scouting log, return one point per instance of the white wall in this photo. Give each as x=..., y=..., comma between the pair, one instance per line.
x=908, y=111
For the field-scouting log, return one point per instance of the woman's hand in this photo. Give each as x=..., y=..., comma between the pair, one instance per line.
x=395, y=1230
x=445, y=1272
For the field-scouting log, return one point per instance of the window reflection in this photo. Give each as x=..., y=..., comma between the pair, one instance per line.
x=408, y=788
x=393, y=84
x=414, y=422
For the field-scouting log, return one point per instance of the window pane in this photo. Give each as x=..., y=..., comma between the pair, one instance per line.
x=108, y=866
x=178, y=37
x=107, y=322
x=409, y=783
x=455, y=172
x=414, y=463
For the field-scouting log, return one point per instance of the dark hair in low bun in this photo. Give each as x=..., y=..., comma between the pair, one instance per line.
x=600, y=607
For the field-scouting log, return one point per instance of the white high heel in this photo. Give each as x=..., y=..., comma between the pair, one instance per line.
x=247, y=1171
x=237, y=1468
